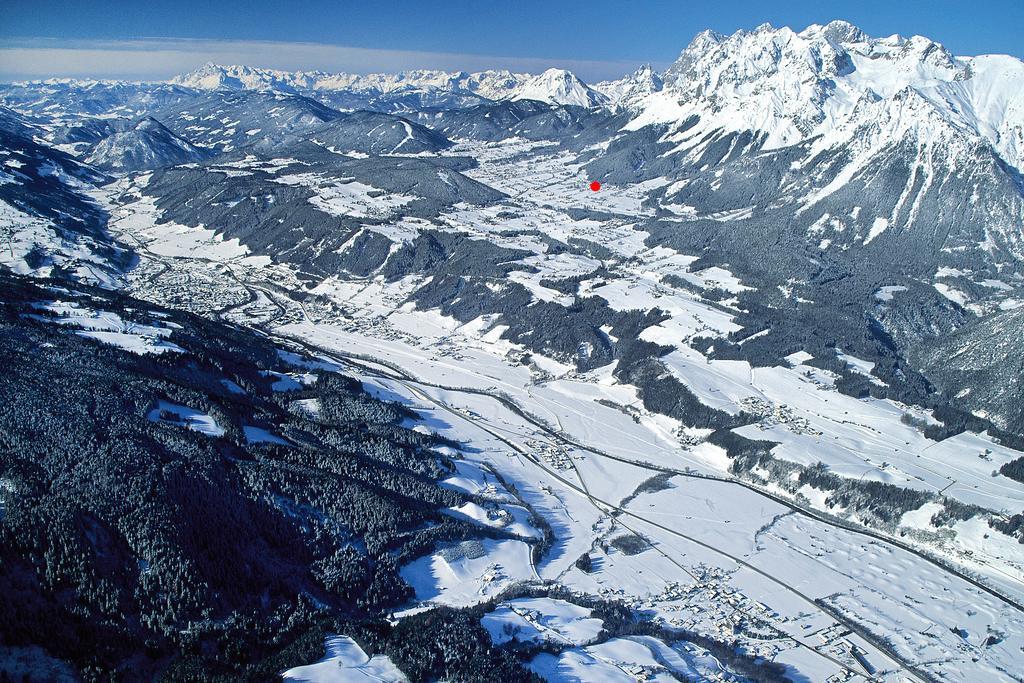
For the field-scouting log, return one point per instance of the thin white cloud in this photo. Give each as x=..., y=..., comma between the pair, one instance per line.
x=161, y=58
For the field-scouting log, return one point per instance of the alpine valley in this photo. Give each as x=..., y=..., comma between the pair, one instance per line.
x=337, y=377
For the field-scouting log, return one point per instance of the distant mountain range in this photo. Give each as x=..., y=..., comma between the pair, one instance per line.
x=554, y=86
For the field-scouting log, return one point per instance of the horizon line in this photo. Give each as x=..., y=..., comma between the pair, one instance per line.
x=162, y=58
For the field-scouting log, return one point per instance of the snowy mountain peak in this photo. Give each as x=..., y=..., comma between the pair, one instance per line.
x=150, y=125
x=559, y=86
x=704, y=41
x=837, y=31
x=632, y=88
x=790, y=87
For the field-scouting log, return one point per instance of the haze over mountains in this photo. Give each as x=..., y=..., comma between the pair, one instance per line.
x=764, y=384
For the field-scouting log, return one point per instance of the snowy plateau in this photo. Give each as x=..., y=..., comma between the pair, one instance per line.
x=750, y=412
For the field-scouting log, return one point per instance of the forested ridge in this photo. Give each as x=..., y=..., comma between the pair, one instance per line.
x=134, y=548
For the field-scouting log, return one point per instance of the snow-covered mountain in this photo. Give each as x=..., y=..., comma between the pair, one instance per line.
x=212, y=76
x=787, y=85
x=68, y=98
x=559, y=86
x=885, y=155
x=828, y=81
x=147, y=145
x=633, y=87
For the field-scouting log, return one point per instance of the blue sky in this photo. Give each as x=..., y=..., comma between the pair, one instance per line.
x=597, y=38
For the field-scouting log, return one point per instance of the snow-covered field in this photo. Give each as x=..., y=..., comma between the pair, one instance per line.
x=541, y=619
x=558, y=180
x=514, y=519
x=469, y=572
x=345, y=662
x=621, y=660
x=109, y=328
x=810, y=420
x=170, y=239
x=689, y=584
x=183, y=416
x=870, y=578
x=260, y=435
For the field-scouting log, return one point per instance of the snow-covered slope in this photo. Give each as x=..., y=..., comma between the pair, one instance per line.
x=371, y=132
x=48, y=224
x=227, y=119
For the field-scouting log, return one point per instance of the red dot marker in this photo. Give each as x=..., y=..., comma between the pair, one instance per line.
x=595, y=186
